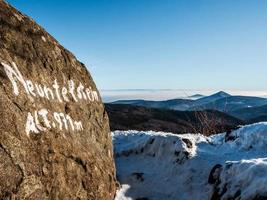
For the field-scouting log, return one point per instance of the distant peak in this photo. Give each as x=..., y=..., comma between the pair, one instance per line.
x=222, y=94
x=197, y=95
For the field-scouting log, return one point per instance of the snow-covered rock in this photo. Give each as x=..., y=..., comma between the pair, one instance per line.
x=156, y=165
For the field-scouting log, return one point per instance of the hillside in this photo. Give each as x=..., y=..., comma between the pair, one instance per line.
x=129, y=117
x=165, y=166
x=232, y=103
x=173, y=104
x=211, y=98
x=250, y=113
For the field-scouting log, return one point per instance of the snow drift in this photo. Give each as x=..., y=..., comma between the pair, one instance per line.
x=156, y=165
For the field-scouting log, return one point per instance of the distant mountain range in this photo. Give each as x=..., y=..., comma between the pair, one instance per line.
x=243, y=107
x=195, y=102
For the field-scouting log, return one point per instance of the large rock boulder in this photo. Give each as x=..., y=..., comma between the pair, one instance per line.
x=54, y=134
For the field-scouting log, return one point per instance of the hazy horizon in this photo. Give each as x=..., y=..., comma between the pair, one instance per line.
x=110, y=95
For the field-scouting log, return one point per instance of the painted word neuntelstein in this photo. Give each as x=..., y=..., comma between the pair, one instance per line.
x=52, y=93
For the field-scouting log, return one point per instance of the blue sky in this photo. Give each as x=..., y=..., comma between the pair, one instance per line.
x=162, y=44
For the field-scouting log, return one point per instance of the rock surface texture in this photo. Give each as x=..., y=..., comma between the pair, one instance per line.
x=54, y=133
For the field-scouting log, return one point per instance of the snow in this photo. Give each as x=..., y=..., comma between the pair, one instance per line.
x=250, y=175
x=157, y=165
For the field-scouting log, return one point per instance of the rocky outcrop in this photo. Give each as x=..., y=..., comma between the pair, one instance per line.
x=54, y=133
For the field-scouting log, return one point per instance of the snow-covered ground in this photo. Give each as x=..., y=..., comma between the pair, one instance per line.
x=163, y=166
